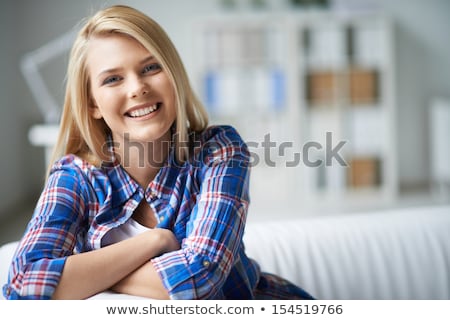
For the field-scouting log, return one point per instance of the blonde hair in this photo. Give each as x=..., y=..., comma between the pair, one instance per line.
x=84, y=136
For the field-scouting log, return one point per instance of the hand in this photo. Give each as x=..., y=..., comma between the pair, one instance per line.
x=145, y=281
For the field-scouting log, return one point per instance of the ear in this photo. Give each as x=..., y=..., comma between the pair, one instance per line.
x=94, y=110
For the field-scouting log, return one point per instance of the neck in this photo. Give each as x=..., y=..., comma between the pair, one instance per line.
x=142, y=160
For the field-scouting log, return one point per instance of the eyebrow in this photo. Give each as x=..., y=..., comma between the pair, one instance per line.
x=113, y=70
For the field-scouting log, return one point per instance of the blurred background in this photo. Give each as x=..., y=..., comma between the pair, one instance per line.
x=372, y=74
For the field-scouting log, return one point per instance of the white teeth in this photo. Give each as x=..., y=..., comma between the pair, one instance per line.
x=143, y=112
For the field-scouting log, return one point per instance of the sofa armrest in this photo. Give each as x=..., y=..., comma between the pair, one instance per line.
x=6, y=254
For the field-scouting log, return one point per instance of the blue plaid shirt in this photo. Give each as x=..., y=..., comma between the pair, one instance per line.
x=203, y=201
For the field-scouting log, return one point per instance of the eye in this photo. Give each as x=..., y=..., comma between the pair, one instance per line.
x=152, y=68
x=111, y=80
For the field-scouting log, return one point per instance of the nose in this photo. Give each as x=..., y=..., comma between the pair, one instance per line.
x=138, y=87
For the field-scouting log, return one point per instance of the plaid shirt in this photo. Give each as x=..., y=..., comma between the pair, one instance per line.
x=203, y=201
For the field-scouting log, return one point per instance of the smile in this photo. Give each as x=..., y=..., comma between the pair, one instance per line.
x=144, y=111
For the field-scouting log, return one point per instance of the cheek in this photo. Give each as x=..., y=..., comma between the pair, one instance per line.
x=164, y=84
x=103, y=104
x=106, y=99
x=169, y=90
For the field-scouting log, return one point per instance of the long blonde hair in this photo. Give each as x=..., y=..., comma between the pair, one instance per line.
x=84, y=136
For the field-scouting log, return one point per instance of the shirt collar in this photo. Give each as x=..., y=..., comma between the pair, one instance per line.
x=125, y=187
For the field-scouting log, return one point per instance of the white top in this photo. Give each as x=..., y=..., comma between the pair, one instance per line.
x=127, y=230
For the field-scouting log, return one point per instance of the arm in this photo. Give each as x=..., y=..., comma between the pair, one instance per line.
x=215, y=226
x=50, y=237
x=44, y=265
x=91, y=272
x=144, y=282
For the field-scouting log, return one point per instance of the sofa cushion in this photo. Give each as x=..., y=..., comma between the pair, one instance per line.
x=395, y=254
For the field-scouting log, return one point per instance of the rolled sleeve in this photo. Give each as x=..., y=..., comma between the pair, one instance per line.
x=216, y=224
x=50, y=237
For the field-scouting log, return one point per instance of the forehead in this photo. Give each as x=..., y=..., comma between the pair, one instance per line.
x=114, y=51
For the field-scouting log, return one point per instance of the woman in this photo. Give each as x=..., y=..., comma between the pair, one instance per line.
x=142, y=197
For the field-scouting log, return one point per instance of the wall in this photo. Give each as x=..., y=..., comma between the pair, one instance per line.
x=18, y=178
x=423, y=73
x=423, y=70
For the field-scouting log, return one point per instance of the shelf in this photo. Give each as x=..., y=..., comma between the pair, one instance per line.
x=312, y=81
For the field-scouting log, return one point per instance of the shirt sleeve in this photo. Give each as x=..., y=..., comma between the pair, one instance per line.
x=216, y=225
x=50, y=237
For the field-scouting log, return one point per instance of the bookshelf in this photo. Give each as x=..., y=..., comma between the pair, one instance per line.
x=310, y=81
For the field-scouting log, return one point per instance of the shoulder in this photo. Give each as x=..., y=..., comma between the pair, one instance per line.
x=221, y=136
x=224, y=134
x=220, y=143
x=73, y=162
x=75, y=170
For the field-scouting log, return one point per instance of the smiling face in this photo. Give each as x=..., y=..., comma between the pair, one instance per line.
x=129, y=89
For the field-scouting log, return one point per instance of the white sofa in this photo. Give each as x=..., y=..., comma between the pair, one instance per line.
x=395, y=254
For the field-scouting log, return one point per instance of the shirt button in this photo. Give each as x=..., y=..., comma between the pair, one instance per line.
x=161, y=219
x=206, y=263
x=8, y=291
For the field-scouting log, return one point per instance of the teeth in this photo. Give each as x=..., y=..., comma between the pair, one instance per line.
x=143, y=112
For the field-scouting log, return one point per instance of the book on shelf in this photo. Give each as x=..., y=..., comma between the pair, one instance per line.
x=321, y=88
x=364, y=172
x=236, y=92
x=363, y=86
